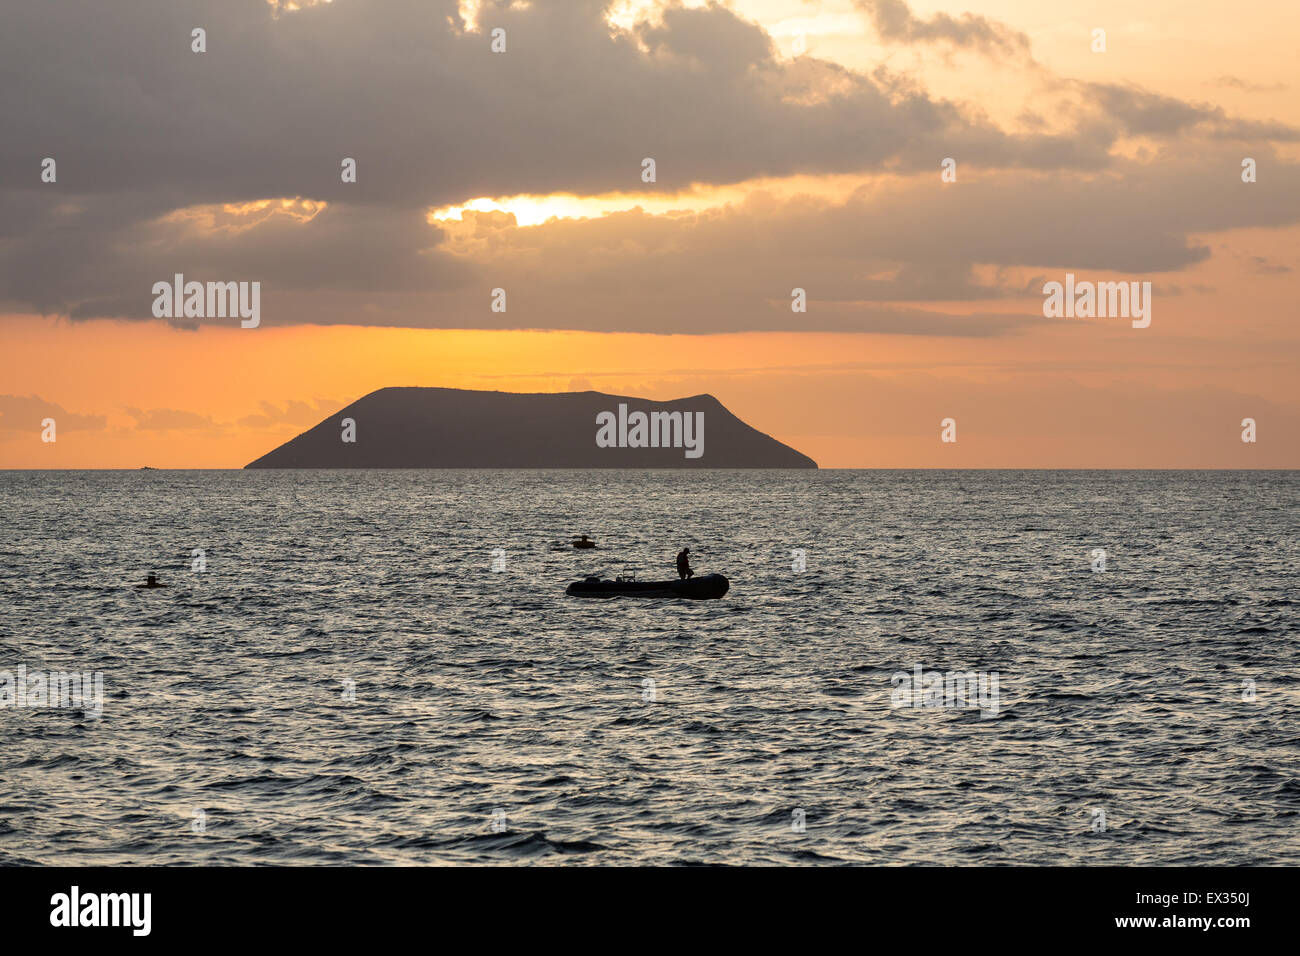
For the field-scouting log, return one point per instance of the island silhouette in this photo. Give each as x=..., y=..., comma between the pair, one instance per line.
x=412, y=427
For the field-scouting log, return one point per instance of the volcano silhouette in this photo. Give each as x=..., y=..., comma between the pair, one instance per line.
x=464, y=428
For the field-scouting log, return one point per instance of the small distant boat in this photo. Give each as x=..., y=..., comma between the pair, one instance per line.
x=583, y=542
x=699, y=588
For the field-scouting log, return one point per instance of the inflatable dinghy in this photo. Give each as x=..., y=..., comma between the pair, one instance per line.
x=698, y=588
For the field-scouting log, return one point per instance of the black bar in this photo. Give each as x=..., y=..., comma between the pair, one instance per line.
x=332, y=906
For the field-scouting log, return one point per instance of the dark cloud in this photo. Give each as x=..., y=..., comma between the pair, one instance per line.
x=1138, y=112
x=430, y=114
x=294, y=413
x=142, y=128
x=171, y=419
x=1262, y=266
x=895, y=22
x=24, y=413
x=1237, y=83
x=861, y=258
x=712, y=38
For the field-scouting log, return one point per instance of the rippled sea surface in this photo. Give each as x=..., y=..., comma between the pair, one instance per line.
x=1147, y=714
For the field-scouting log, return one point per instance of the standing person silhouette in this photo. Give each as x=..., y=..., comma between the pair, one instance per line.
x=683, y=564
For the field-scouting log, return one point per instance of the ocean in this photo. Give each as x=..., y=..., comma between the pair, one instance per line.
x=381, y=667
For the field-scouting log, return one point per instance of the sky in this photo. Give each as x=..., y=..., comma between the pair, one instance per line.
x=796, y=144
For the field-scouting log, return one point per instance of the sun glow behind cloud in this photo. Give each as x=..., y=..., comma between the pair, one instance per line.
x=237, y=217
x=535, y=210
x=289, y=6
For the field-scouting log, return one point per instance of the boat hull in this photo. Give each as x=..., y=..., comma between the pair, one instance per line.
x=704, y=587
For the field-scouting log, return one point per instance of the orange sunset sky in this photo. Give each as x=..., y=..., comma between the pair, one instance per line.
x=796, y=144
